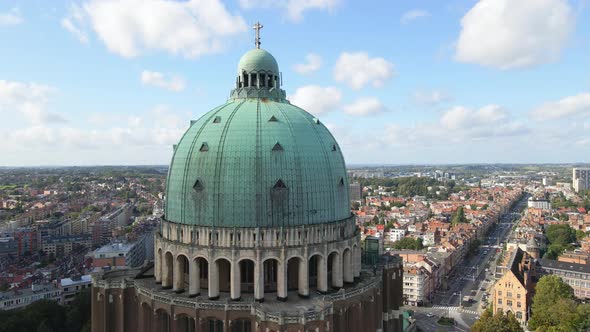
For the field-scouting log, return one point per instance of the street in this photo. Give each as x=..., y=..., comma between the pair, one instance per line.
x=470, y=281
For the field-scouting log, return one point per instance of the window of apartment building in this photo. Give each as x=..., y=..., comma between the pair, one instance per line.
x=518, y=305
x=518, y=296
x=508, y=302
x=499, y=293
x=509, y=294
x=518, y=315
x=499, y=301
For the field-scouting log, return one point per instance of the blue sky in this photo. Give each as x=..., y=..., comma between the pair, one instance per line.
x=98, y=82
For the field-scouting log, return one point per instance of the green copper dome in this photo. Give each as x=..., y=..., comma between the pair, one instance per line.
x=257, y=162
x=258, y=60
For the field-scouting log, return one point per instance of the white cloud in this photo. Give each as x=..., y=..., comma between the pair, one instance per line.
x=316, y=99
x=565, y=107
x=432, y=97
x=510, y=34
x=314, y=63
x=458, y=125
x=133, y=27
x=98, y=119
x=75, y=23
x=168, y=82
x=12, y=17
x=413, y=15
x=365, y=106
x=293, y=9
x=29, y=100
x=357, y=70
x=134, y=121
x=144, y=138
x=460, y=117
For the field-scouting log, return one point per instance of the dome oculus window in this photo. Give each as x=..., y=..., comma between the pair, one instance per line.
x=217, y=119
x=204, y=147
x=273, y=119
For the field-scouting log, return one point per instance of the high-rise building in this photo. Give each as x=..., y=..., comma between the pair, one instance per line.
x=581, y=179
x=355, y=192
x=257, y=233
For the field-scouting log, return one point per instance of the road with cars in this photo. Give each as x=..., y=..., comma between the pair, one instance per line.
x=469, y=283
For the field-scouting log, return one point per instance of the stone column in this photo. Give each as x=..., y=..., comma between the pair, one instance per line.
x=357, y=262
x=166, y=280
x=348, y=266
x=322, y=283
x=304, y=278
x=194, y=278
x=213, y=279
x=173, y=323
x=282, y=279
x=258, y=278
x=178, y=276
x=235, y=286
x=337, y=271
x=158, y=267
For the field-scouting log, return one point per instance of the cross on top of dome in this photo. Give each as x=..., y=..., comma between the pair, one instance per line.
x=257, y=27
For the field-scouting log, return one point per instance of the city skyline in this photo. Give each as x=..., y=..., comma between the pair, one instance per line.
x=407, y=83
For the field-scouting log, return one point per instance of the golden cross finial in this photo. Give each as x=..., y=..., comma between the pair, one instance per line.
x=257, y=27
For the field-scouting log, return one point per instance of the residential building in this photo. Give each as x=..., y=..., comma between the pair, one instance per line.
x=575, y=256
x=514, y=290
x=118, y=255
x=70, y=287
x=575, y=275
x=60, y=246
x=417, y=281
x=395, y=234
x=539, y=203
x=26, y=239
x=581, y=179
x=14, y=299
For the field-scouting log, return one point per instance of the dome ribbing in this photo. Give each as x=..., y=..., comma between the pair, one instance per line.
x=257, y=161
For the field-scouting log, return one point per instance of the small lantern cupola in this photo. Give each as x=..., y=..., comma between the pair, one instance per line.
x=258, y=74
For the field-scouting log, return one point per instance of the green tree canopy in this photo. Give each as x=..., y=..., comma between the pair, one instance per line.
x=409, y=243
x=560, y=234
x=45, y=315
x=459, y=216
x=499, y=322
x=554, y=307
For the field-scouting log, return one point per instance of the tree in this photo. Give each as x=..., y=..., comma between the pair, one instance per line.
x=560, y=238
x=409, y=243
x=459, y=216
x=554, y=306
x=500, y=322
x=375, y=220
x=553, y=251
x=45, y=315
x=580, y=234
x=474, y=246
x=584, y=313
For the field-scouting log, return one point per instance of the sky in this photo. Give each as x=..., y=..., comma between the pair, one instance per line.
x=107, y=82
